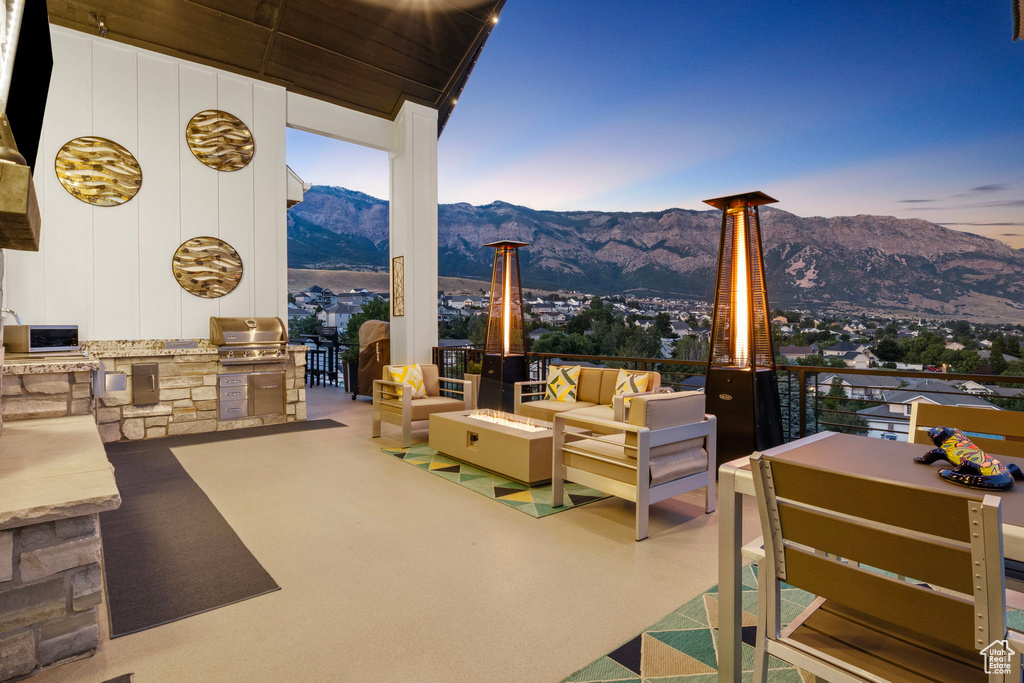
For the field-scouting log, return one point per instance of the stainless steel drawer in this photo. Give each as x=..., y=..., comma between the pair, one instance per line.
x=230, y=410
x=234, y=393
x=268, y=396
x=239, y=380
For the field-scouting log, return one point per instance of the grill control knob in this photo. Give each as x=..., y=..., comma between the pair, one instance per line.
x=248, y=353
x=231, y=354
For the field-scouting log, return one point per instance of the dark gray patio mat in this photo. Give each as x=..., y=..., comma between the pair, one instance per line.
x=226, y=435
x=168, y=552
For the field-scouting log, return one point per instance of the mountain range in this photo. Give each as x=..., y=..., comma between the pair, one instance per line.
x=852, y=263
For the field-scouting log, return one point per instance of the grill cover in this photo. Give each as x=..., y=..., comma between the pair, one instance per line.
x=247, y=331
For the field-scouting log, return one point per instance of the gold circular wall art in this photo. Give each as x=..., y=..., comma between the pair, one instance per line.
x=98, y=171
x=207, y=267
x=220, y=140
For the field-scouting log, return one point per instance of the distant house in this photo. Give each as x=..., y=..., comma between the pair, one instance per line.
x=891, y=421
x=453, y=343
x=339, y=315
x=858, y=359
x=791, y=353
x=297, y=312
x=843, y=348
x=680, y=327
x=986, y=354
x=858, y=387
x=954, y=346
x=538, y=333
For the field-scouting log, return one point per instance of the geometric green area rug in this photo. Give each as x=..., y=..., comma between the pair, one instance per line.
x=533, y=500
x=683, y=647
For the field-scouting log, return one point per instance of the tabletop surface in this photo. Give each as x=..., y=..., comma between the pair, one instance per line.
x=893, y=461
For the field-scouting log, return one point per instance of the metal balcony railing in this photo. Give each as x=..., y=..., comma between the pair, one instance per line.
x=874, y=402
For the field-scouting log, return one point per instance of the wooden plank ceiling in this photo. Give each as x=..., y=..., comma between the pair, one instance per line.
x=369, y=55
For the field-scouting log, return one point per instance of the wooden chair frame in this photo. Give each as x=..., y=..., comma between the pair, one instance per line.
x=1006, y=423
x=640, y=492
x=395, y=407
x=840, y=530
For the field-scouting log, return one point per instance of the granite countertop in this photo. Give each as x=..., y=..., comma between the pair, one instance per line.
x=54, y=468
x=24, y=364
x=28, y=364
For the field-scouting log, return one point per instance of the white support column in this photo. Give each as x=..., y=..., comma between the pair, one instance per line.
x=413, y=231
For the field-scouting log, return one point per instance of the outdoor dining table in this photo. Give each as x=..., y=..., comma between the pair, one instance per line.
x=857, y=455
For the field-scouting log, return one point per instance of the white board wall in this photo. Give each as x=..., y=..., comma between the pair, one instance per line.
x=108, y=269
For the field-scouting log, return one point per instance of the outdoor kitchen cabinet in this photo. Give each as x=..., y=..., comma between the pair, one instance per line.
x=252, y=394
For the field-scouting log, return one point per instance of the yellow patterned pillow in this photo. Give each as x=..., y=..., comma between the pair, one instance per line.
x=411, y=375
x=562, y=383
x=630, y=383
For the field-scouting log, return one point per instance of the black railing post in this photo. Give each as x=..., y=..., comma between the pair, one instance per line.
x=802, y=393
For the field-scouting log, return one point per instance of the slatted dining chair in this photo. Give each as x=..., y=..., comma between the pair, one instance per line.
x=866, y=623
x=1007, y=424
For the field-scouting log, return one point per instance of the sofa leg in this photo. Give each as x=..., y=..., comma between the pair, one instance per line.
x=375, y=426
x=406, y=435
x=710, y=495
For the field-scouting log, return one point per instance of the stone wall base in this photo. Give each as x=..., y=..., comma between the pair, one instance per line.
x=51, y=583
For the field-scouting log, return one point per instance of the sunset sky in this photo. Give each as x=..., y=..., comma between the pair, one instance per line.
x=911, y=109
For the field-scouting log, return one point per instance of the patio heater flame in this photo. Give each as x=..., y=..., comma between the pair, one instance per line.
x=506, y=311
x=741, y=290
x=742, y=388
x=504, y=352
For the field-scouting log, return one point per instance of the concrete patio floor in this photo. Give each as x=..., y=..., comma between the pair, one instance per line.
x=390, y=574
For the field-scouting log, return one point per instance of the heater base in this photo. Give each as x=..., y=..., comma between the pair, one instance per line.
x=748, y=411
x=497, y=381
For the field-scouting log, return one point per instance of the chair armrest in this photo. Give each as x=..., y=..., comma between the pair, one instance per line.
x=562, y=420
x=619, y=408
x=466, y=392
x=380, y=384
x=518, y=393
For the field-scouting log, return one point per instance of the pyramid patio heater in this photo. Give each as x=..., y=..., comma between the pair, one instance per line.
x=742, y=388
x=505, y=351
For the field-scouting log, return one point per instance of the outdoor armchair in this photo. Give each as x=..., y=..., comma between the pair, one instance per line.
x=395, y=406
x=666, y=448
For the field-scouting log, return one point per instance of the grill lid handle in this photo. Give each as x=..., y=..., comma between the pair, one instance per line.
x=250, y=323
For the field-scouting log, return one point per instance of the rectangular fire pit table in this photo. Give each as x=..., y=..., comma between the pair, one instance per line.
x=512, y=451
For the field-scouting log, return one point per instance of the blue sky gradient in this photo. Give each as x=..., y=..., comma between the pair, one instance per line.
x=835, y=108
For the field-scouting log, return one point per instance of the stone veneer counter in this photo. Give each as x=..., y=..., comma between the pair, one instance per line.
x=54, y=482
x=188, y=390
x=41, y=386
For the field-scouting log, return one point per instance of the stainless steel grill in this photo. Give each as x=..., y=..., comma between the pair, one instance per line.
x=249, y=340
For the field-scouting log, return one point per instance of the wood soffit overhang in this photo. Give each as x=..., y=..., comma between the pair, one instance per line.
x=367, y=55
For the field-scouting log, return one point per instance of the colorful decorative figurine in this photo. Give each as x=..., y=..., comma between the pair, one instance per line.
x=973, y=466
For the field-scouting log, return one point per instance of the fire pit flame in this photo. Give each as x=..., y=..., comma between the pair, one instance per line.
x=506, y=420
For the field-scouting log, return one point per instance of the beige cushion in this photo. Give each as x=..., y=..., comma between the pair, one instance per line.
x=430, y=380
x=545, y=410
x=608, y=377
x=664, y=468
x=589, y=389
x=658, y=411
x=422, y=408
x=600, y=412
